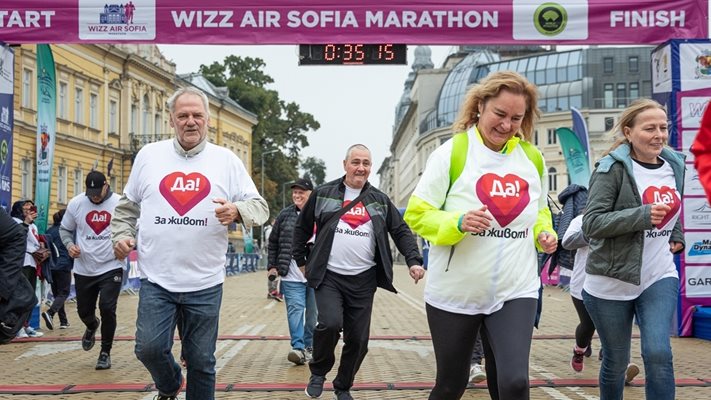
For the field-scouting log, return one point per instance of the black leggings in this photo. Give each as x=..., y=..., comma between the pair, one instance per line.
x=586, y=328
x=507, y=337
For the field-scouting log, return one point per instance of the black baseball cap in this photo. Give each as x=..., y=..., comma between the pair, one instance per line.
x=303, y=183
x=95, y=181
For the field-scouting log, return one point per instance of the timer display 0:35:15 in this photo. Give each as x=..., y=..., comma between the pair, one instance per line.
x=352, y=54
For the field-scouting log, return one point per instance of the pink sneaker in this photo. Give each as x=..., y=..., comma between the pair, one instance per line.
x=577, y=361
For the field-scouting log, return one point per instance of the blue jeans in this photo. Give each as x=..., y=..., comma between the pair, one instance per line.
x=300, y=299
x=654, y=310
x=158, y=311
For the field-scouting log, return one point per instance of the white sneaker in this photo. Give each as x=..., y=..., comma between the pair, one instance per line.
x=309, y=354
x=297, y=356
x=31, y=332
x=21, y=333
x=476, y=374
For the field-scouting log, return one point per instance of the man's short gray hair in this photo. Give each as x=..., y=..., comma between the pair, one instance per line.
x=356, y=146
x=189, y=90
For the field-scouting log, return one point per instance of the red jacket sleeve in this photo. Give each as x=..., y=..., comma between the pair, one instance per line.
x=702, y=152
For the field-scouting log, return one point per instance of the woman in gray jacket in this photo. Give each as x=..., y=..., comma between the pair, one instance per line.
x=632, y=223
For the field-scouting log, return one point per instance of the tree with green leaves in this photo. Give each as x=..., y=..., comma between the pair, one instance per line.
x=281, y=126
x=314, y=169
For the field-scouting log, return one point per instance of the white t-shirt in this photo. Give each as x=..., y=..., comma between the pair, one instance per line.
x=655, y=186
x=181, y=244
x=353, y=248
x=577, y=279
x=33, y=243
x=91, y=224
x=482, y=271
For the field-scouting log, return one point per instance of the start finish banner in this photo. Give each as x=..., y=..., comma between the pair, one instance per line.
x=366, y=21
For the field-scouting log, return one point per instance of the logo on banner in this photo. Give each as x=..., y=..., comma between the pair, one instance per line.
x=44, y=142
x=98, y=220
x=506, y=197
x=5, y=116
x=184, y=191
x=703, y=65
x=130, y=20
x=700, y=248
x=551, y=20
x=4, y=151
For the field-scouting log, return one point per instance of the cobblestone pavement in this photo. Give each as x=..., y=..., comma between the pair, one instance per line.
x=253, y=345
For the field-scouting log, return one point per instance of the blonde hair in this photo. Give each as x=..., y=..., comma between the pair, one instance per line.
x=491, y=87
x=628, y=119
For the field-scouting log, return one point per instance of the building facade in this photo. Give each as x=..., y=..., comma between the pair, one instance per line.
x=111, y=100
x=597, y=81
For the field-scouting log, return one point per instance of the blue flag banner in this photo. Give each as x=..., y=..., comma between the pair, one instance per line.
x=46, y=131
x=575, y=158
x=581, y=131
x=7, y=63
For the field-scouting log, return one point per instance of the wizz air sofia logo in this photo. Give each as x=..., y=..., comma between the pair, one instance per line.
x=129, y=20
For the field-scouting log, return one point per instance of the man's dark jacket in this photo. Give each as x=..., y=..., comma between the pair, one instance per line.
x=281, y=238
x=327, y=200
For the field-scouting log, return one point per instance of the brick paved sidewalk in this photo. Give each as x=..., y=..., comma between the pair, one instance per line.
x=254, y=343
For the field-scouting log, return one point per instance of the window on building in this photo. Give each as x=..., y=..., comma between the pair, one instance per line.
x=112, y=182
x=552, y=137
x=634, y=64
x=63, y=104
x=609, y=123
x=62, y=184
x=27, y=88
x=134, y=118
x=621, y=95
x=93, y=112
x=634, y=91
x=26, y=178
x=113, y=117
x=552, y=179
x=609, y=95
x=77, y=184
x=535, y=137
x=79, y=105
x=157, y=124
x=145, y=123
x=607, y=65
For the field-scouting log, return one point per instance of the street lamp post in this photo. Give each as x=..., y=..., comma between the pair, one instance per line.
x=261, y=230
x=283, y=193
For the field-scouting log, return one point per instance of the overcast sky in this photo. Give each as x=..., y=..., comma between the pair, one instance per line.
x=353, y=104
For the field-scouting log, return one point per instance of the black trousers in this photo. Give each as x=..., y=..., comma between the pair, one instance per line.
x=106, y=288
x=344, y=302
x=507, y=339
x=30, y=274
x=61, y=284
x=586, y=328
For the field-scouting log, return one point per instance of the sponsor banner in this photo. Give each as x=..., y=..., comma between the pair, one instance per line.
x=46, y=132
x=662, y=70
x=7, y=63
x=576, y=160
x=691, y=109
x=367, y=21
x=698, y=248
x=698, y=282
x=697, y=213
x=695, y=66
x=687, y=139
x=692, y=183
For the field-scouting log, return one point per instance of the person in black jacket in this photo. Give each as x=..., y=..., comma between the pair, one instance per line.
x=299, y=297
x=61, y=276
x=349, y=260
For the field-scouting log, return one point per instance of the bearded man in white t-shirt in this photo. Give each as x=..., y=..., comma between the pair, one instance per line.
x=86, y=233
x=183, y=193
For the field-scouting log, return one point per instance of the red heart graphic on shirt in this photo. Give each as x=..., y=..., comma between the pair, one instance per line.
x=356, y=216
x=98, y=220
x=665, y=195
x=184, y=191
x=506, y=197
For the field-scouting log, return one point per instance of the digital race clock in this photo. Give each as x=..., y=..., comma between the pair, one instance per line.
x=352, y=54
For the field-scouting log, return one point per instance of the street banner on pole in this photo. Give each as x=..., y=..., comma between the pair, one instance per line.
x=7, y=63
x=46, y=132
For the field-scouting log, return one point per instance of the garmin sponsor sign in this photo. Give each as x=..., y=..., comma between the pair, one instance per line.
x=698, y=282
x=366, y=21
